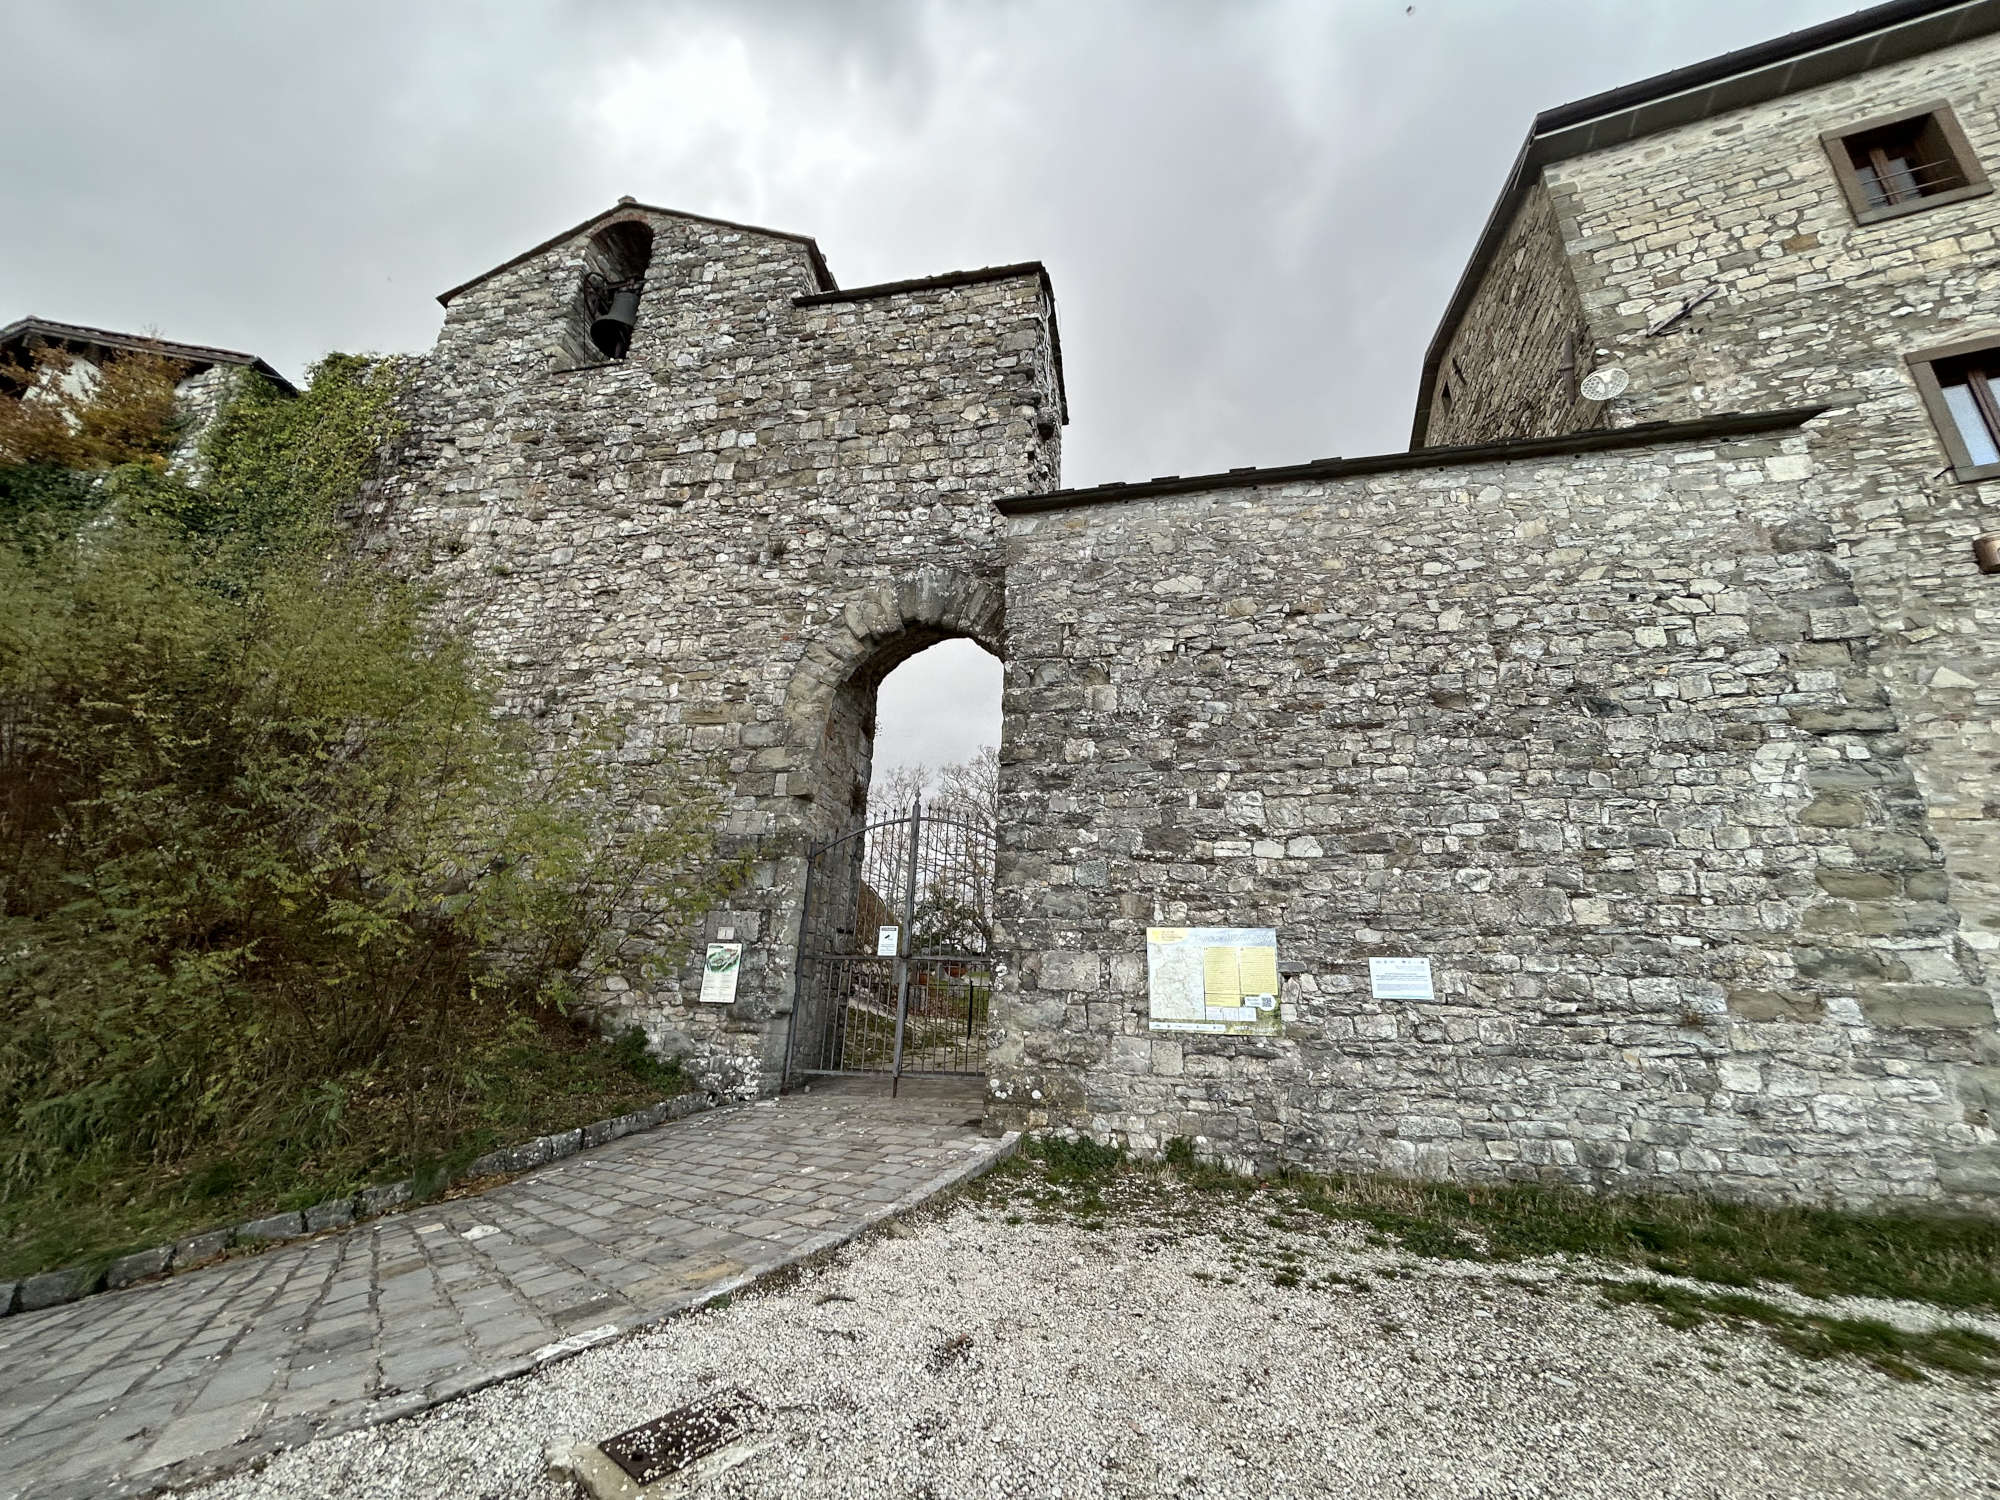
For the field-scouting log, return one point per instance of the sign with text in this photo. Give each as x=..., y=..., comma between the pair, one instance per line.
x=888, y=941
x=718, y=973
x=1222, y=980
x=1400, y=979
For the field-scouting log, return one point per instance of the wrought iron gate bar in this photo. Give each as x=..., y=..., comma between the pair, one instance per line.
x=924, y=1008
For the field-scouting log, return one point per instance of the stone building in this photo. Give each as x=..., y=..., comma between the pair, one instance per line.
x=1648, y=697
x=721, y=517
x=1665, y=732
x=206, y=376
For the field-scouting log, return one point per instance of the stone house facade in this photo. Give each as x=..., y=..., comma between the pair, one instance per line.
x=1665, y=733
x=206, y=377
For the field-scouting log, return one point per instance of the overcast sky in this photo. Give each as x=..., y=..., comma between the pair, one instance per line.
x=1253, y=212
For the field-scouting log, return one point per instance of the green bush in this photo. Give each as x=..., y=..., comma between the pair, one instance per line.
x=272, y=867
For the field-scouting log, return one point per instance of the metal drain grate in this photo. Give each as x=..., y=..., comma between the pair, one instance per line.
x=668, y=1444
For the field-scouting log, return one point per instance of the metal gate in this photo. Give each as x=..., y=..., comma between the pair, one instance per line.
x=895, y=971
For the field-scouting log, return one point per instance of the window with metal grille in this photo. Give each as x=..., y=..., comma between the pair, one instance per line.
x=1960, y=384
x=1897, y=164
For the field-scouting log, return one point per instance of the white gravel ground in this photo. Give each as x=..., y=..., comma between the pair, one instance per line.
x=1137, y=1360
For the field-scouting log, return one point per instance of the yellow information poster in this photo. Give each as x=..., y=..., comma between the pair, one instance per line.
x=1222, y=980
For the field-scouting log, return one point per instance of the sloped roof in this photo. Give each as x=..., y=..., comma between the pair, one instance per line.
x=632, y=206
x=1508, y=450
x=44, y=330
x=1799, y=60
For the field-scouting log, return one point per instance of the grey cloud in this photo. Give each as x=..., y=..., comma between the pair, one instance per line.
x=1253, y=212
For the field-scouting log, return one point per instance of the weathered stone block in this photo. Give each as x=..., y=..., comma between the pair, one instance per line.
x=1925, y=1005
x=199, y=1248
x=1844, y=720
x=334, y=1213
x=1856, y=885
x=1064, y=969
x=137, y=1266
x=1128, y=973
x=1773, y=1005
x=1971, y=1170
x=1879, y=918
x=1834, y=810
x=1841, y=624
x=54, y=1288
x=1879, y=850
x=384, y=1196
x=1131, y=1054
x=1979, y=1087
x=266, y=1230
x=1801, y=534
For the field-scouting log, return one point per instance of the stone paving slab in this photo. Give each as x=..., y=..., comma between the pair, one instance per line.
x=166, y=1383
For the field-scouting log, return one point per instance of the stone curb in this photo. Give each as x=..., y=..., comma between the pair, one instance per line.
x=301, y=1430
x=71, y=1283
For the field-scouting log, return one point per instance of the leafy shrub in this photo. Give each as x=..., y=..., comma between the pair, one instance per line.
x=271, y=863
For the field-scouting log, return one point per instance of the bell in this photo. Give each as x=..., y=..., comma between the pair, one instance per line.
x=612, y=329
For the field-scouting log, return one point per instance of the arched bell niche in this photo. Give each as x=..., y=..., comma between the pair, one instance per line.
x=605, y=309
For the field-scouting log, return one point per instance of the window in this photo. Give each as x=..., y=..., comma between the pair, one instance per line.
x=1960, y=383
x=1900, y=163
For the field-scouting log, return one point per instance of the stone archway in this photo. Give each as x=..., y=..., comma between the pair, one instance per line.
x=830, y=722
x=830, y=702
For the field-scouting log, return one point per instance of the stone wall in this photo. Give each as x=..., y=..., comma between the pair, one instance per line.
x=200, y=400
x=1596, y=733
x=1512, y=367
x=715, y=539
x=1802, y=304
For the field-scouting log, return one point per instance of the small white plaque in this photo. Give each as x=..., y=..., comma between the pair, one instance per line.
x=888, y=941
x=725, y=934
x=718, y=973
x=1400, y=979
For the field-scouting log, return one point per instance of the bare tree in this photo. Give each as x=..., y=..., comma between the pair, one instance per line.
x=891, y=792
x=972, y=786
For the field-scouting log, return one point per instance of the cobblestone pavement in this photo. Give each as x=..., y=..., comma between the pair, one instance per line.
x=163, y=1383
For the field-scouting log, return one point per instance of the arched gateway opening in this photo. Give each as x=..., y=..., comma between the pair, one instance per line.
x=895, y=959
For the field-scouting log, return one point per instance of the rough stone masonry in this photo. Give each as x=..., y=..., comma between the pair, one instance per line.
x=1594, y=733
x=1664, y=732
x=1675, y=758
x=726, y=538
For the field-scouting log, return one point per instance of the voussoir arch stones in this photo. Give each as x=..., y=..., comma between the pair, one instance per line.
x=881, y=628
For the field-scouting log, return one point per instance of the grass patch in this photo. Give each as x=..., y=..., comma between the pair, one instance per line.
x=1952, y=1262
x=1945, y=1261
x=553, y=1078
x=1892, y=1350
x=1083, y=1160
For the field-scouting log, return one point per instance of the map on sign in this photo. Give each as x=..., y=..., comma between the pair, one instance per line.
x=1222, y=980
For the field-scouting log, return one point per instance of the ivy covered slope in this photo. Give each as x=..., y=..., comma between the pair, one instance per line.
x=285, y=907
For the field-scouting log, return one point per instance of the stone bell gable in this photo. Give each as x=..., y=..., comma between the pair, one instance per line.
x=725, y=529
